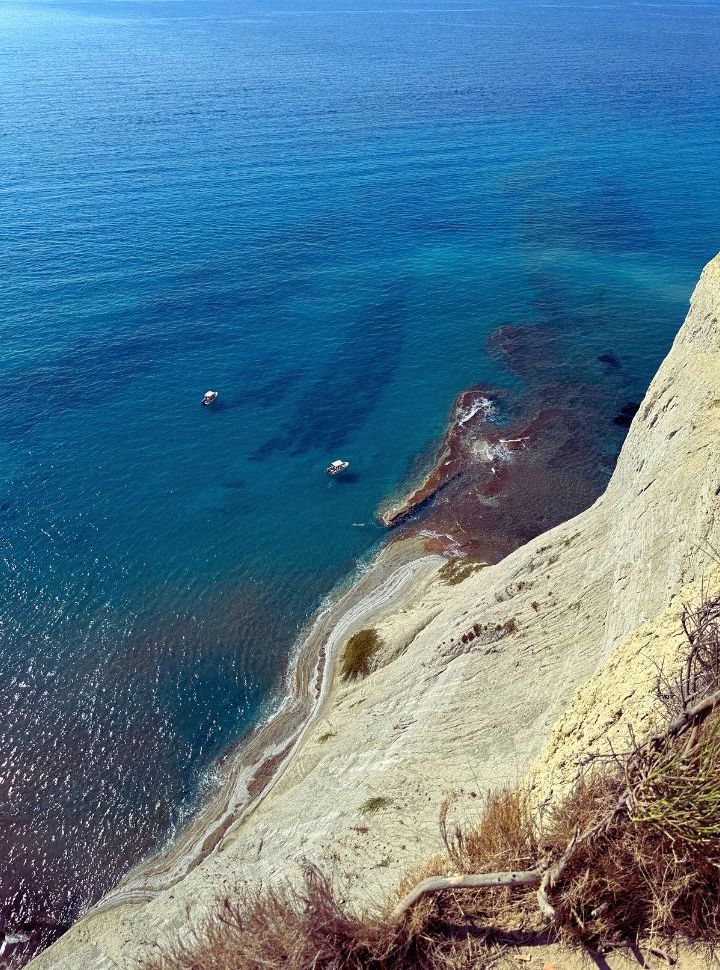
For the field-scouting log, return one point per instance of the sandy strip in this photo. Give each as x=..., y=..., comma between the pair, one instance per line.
x=258, y=763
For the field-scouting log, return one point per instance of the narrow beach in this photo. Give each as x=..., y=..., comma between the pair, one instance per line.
x=257, y=764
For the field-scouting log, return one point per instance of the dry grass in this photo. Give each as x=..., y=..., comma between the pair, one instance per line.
x=309, y=929
x=655, y=871
x=635, y=881
x=700, y=674
x=647, y=867
x=358, y=653
x=503, y=838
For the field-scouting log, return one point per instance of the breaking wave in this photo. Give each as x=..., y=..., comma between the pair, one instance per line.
x=482, y=405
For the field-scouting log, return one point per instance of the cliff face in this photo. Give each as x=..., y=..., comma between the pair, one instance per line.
x=556, y=642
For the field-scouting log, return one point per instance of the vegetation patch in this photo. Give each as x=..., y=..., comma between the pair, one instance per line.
x=454, y=571
x=373, y=805
x=359, y=651
x=326, y=737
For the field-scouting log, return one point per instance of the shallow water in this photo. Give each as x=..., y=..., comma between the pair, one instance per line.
x=323, y=210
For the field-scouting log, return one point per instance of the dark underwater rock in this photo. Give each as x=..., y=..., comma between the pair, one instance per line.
x=627, y=412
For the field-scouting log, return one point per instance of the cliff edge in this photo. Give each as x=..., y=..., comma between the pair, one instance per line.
x=477, y=679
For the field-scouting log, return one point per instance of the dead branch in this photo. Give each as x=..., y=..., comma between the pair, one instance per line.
x=490, y=880
x=551, y=877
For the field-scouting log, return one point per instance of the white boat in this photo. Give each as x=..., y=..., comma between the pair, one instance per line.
x=335, y=467
x=209, y=398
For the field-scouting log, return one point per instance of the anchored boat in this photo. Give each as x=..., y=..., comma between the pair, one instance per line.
x=209, y=398
x=336, y=467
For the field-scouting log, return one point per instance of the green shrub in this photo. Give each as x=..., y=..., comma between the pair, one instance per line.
x=359, y=650
x=373, y=805
x=679, y=794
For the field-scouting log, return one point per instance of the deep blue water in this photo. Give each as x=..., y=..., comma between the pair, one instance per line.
x=322, y=209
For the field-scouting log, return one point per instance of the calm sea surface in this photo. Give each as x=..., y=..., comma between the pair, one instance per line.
x=321, y=208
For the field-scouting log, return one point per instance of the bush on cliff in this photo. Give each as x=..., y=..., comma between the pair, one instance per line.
x=358, y=653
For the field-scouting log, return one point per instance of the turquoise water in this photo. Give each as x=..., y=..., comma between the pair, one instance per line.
x=323, y=210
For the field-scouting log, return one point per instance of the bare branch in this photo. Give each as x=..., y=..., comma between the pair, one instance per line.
x=489, y=880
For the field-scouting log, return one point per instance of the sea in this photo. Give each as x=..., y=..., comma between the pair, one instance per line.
x=324, y=210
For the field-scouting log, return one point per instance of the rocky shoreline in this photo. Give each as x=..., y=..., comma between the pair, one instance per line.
x=514, y=463
x=474, y=436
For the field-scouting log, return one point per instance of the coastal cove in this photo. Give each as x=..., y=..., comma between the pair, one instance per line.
x=384, y=233
x=525, y=464
x=452, y=704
